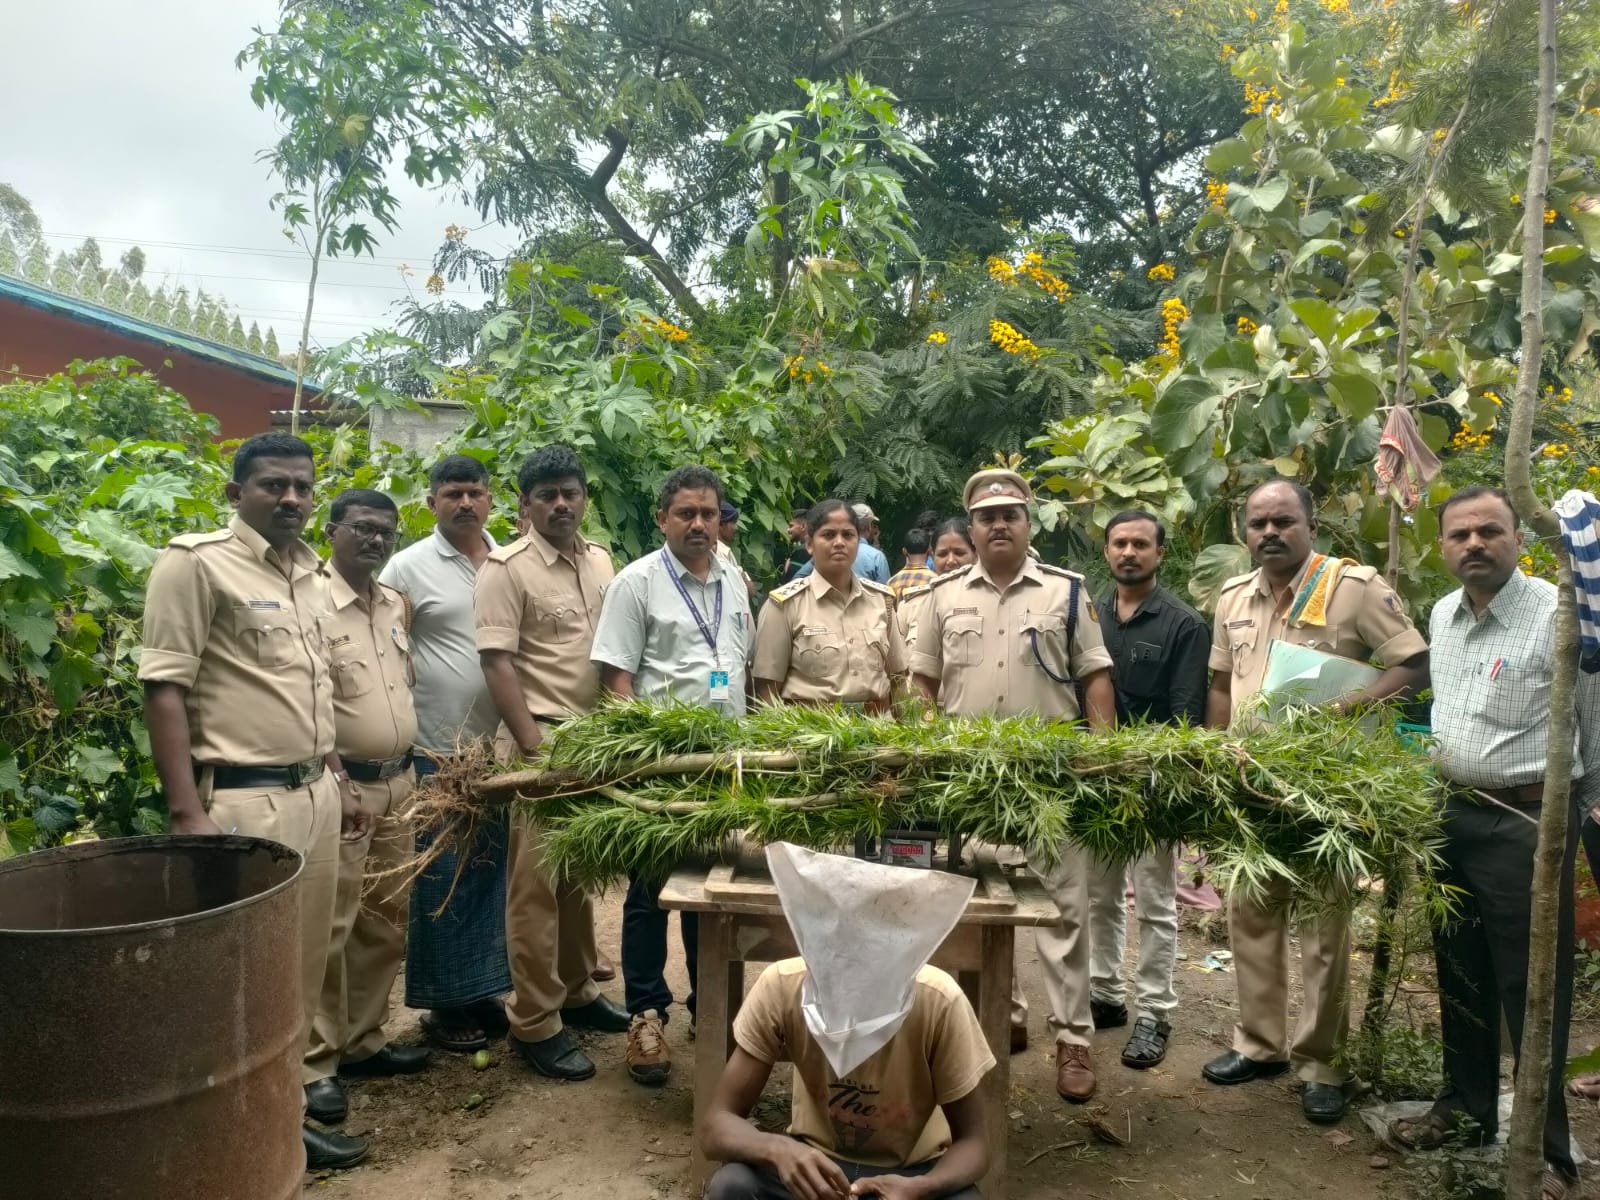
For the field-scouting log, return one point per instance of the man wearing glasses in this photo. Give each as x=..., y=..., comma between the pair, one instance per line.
x=375, y=724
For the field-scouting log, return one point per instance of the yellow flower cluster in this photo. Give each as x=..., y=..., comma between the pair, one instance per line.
x=1000, y=270
x=1495, y=396
x=1556, y=450
x=1549, y=216
x=1395, y=92
x=1465, y=439
x=1216, y=192
x=1258, y=98
x=1051, y=285
x=1337, y=7
x=1012, y=340
x=1174, y=312
x=1160, y=273
x=1245, y=326
x=938, y=337
x=435, y=284
x=1227, y=52
x=1280, y=10
x=1526, y=562
x=666, y=329
x=805, y=371
x=1564, y=396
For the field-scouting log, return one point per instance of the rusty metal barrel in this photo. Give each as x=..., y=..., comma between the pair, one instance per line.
x=150, y=1021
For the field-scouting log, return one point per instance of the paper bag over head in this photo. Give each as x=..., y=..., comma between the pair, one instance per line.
x=864, y=930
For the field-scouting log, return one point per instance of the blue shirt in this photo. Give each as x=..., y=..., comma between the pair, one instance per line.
x=870, y=564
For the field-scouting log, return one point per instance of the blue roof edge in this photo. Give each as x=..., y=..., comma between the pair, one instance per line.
x=31, y=295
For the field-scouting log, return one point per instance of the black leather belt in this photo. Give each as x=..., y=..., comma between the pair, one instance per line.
x=376, y=772
x=295, y=775
x=551, y=720
x=1526, y=795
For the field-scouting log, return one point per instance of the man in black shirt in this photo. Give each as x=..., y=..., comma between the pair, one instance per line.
x=1159, y=646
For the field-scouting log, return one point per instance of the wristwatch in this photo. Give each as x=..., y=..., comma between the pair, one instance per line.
x=341, y=776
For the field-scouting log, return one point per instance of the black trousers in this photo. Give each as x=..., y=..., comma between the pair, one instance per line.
x=1482, y=957
x=736, y=1181
x=644, y=950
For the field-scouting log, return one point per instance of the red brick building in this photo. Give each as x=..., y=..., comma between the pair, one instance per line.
x=41, y=331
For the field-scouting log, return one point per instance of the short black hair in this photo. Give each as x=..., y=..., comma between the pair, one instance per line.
x=1476, y=492
x=1129, y=515
x=360, y=498
x=926, y=519
x=550, y=464
x=268, y=445
x=690, y=478
x=1308, y=503
x=798, y=514
x=823, y=509
x=959, y=525
x=916, y=542
x=457, y=468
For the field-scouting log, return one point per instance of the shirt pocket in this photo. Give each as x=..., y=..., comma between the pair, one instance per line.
x=266, y=635
x=1320, y=637
x=820, y=654
x=1515, y=698
x=557, y=619
x=1044, y=643
x=402, y=643
x=352, y=677
x=1242, y=646
x=963, y=641
x=1140, y=671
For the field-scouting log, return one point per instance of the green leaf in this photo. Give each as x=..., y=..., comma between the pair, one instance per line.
x=1200, y=335
x=1332, y=247
x=1356, y=396
x=35, y=630
x=1232, y=155
x=12, y=566
x=10, y=776
x=157, y=491
x=95, y=764
x=1555, y=255
x=1184, y=412
x=1318, y=316
x=107, y=529
x=1212, y=568
x=1435, y=430
x=1267, y=196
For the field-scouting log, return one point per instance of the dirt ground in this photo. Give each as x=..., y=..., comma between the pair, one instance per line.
x=505, y=1133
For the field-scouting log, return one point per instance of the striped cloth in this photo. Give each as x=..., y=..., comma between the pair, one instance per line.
x=1580, y=529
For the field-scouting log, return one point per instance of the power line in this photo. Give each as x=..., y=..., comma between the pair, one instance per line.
x=370, y=260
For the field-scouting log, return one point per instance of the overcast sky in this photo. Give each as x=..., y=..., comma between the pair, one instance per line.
x=131, y=123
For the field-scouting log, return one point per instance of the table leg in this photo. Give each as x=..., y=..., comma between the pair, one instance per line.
x=713, y=1028
x=994, y=1015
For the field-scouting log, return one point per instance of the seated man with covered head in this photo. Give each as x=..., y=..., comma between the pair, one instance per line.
x=887, y=1051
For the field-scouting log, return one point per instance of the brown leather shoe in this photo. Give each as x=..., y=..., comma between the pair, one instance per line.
x=605, y=971
x=1075, y=1079
x=649, y=1060
x=1019, y=1038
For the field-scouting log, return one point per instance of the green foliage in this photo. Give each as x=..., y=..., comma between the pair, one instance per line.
x=99, y=467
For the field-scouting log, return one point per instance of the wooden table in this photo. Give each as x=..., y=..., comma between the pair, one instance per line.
x=741, y=921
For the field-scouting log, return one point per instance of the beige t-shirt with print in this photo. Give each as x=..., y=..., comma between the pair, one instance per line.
x=886, y=1112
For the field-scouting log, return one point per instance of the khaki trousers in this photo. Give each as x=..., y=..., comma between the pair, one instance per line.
x=549, y=939
x=1260, y=939
x=1063, y=952
x=307, y=820
x=1155, y=906
x=367, y=937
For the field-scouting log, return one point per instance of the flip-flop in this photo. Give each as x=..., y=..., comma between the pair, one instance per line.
x=1554, y=1187
x=1427, y=1132
x=1584, y=1087
x=457, y=1039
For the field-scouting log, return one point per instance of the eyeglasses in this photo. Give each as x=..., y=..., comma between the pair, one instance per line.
x=367, y=533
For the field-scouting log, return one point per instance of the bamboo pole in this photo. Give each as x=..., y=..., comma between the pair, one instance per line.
x=1524, y=1151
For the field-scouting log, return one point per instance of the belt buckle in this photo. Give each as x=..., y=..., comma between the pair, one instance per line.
x=296, y=775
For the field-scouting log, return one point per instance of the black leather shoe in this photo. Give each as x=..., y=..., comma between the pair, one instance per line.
x=1323, y=1103
x=600, y=1014
x=559, y=1057
x=1148, y=1045
x=325, y=1100
x=1108, y=1016
x=1234, y=1067
x=326, y=1151
x=391, y=1060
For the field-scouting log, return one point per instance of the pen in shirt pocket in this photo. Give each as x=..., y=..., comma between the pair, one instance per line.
x=1494, y=671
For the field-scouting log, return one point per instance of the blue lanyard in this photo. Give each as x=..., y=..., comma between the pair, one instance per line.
x=709, y=632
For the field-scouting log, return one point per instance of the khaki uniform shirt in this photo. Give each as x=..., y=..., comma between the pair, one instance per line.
x=1006, y=652
x=886, y=1112
x=1365, y=621
x=543, y=606
x=369, y=653
x=824, y=645
x=248, y=642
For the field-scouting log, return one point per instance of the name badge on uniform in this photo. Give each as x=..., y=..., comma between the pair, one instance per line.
x=720, y=691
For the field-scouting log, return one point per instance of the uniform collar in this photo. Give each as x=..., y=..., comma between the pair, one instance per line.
x=820, y=587
x=342, y=593
x=1263, y=588
x=1505, y=601
x=718, y=566
x=446, y=550
x=1030, y=572
x=300, y=554
x=549, y=553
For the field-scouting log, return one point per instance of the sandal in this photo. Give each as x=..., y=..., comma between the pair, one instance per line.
x=1584, y=1087
x=1148, y=1045
x=1554, y=1186
x=1427, y=1132
x=491, y=1015
x=452, y=1029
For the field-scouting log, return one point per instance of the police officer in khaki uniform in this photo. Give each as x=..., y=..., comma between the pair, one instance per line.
x=374, y=727
x=535, y=604
x=1297, y=596
x=1009, y=635
x=830, y=637
x=238, y=700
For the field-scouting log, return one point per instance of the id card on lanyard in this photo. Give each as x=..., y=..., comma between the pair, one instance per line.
x=717, y=684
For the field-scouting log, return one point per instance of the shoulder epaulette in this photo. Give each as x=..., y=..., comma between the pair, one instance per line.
x=1238, y=581
x=393, y=593
x=916, y=593
x=1049, y=569
x=789, y=590
x=950, y=577
x=1360, y=571
x=872, y=585
x=190, y=540
x=509, y=549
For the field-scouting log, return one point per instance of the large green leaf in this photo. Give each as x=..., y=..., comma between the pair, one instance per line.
x=156, y=491
x=1318, y=315
x=1212, y=568
x=1184, y=412
x=108, y=530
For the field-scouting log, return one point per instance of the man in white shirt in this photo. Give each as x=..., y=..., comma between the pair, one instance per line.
x=675, y=626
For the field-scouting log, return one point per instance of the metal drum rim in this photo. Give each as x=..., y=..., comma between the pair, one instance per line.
x=37, y=859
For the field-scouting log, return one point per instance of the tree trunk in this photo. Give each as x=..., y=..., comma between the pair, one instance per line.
x=1524, y=1151
x=305, y=338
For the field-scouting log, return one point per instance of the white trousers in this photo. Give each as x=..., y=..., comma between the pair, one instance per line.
x=1155, y=906
x=1063, y=952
